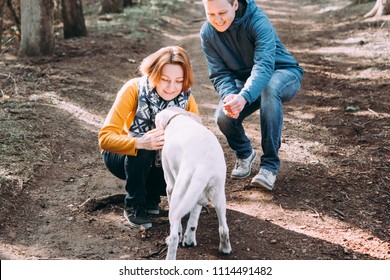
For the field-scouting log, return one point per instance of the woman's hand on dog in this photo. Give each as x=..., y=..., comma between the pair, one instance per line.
x=151, y=140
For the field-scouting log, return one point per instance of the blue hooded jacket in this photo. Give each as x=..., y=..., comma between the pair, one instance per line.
x=249, y=50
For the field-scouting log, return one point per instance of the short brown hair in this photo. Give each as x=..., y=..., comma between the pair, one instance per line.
x=229, y=1
x=152, y=65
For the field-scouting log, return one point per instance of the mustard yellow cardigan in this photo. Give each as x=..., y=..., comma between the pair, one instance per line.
x=114, y=136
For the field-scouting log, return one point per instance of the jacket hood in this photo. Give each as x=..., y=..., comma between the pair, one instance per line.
x=245, y=9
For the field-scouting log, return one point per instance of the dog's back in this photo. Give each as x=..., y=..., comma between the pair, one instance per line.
x=193, y=146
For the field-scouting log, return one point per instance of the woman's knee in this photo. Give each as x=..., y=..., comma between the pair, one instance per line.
x=114, y=163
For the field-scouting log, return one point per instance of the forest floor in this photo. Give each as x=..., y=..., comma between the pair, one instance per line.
x=332, y=196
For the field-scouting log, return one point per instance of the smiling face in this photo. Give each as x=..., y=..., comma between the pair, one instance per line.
x=220, y=13
x=169, y=71
x=171, y=82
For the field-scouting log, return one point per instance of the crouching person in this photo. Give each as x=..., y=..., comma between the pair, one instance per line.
x=129, y=140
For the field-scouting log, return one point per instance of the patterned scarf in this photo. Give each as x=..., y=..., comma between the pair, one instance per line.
x=149, y=104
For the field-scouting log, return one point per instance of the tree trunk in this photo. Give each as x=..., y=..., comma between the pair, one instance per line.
x=73, y=19
x=37, y=27
x=381, y=8
x=130, y=3
x=386, y=7
x=111, y=6
x=14, y=9
x=2, y=2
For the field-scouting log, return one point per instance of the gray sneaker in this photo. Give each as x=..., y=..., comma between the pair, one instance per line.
x=137, y=216
x=265, y=179
x=243, y=167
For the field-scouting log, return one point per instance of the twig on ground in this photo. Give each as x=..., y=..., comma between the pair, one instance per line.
x=385, y=192
x=318, y=214
x=6, y=43
x=8, y=76
x=96, y=203
x=372, y=111
x=340, y=213
x=281, y=208
x=158, y=253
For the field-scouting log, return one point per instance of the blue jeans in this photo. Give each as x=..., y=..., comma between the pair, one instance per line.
x=144, y=181
x=282, y=87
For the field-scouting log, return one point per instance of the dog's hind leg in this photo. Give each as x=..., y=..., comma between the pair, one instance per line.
x=224, y=239
x=175, y=228
x=175, y=216
x=173, y=239
x=192, y=224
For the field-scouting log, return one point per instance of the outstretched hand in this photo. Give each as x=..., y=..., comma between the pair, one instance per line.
x=233, y=106
x=151, y=140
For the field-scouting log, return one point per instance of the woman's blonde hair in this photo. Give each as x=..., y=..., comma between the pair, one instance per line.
x=152, y=65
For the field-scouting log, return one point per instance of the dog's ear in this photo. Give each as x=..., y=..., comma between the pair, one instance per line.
x=159, y=121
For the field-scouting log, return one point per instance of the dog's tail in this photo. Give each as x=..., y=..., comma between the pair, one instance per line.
x=189, y=193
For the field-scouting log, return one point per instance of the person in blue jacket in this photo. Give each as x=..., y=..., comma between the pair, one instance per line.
x=251, y=70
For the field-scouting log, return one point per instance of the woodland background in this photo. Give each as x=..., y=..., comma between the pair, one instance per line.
x=61, y=65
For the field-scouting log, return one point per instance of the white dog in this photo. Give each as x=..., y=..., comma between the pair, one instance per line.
x=195, y=173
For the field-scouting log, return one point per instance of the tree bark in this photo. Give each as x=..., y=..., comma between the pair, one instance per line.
x=2, y=2
x=386, y=7
x=14, y=9
x=130, y=3
x=73, y=19
x=37, y=27
x=381, y=8
x=111, y=6
x=127, y=3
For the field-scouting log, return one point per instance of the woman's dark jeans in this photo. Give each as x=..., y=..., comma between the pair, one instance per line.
x=144, y=181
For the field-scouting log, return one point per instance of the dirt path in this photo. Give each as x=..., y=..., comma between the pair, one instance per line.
x=333, y=191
